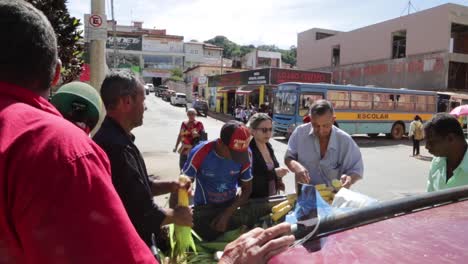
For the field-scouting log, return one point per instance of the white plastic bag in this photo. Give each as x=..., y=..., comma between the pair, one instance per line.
x=346, y=198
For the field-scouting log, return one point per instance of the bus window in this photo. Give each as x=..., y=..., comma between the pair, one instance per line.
x=405, y=102
x=307, y=99
x=361, y=100
x=431, y=104
x=339, y=99
x=285, y=103
x=421, y=103
x=383, y=101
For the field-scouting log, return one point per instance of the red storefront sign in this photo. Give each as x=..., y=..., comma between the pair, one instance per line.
x=284, y=75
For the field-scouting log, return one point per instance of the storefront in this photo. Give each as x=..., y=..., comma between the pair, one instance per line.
x=254, y=88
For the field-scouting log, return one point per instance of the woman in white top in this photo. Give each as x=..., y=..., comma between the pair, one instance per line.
x=416, y=133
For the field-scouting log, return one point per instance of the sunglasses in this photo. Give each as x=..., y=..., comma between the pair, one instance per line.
x=265, y=129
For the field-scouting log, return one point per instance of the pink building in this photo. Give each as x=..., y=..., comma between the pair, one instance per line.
x=426, y=50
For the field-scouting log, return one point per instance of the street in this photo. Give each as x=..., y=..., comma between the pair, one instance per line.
x=389, y=171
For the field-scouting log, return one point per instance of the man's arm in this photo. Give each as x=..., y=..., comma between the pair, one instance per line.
x=162, y=187
x=290, y=159
x=220, y=223
x=352, y=165
x=177, y=143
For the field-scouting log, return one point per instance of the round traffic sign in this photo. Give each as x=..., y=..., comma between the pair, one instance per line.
x=95, y=21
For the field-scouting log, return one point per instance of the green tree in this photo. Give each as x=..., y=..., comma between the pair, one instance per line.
x=69, y=36
x=177, y=75
x=289, y=56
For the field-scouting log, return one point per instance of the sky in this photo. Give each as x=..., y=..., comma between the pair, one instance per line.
x=257, y=22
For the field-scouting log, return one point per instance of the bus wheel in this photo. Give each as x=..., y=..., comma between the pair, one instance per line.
x=373, y=135
x=398, y=130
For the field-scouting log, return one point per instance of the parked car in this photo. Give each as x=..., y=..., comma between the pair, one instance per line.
x=160, y=89
x=201, y=107
x=166, y=95
x=179, y=99
x=425, y=228
x=150, y=87
x=147, y=90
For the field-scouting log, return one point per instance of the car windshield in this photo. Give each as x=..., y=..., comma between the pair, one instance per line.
x=285, y=103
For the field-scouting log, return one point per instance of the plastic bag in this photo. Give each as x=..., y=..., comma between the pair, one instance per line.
x=346, y=198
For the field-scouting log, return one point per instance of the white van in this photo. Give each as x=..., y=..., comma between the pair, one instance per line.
x=179, y=99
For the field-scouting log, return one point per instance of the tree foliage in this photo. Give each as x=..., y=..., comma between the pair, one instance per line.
x=177, y=75
x=69, y=36
x=233, y=50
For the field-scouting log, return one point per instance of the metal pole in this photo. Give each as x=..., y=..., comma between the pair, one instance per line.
x=114, y=35
x=97, y=49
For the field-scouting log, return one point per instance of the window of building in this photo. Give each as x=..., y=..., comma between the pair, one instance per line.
x=339, y=99
x=335, y=56
x=399, y=44
x=307, y=99
x=405, y=102
x=383, y=101
x=322, y=35
x=459, y=38
x=361, y=100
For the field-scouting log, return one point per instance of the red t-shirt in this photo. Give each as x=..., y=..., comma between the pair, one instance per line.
x=57, y=202
x=186, y=130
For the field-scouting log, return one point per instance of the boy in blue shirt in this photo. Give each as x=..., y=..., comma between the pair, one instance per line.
x=218, y=167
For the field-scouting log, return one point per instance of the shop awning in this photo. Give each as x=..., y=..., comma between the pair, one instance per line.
x=246, y=89
x=227, y=89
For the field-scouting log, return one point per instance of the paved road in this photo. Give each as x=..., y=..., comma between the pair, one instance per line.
x=389, y=171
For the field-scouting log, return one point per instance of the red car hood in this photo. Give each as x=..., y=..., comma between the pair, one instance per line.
x=437, y=235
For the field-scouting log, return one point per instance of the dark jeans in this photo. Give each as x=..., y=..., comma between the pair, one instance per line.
x=182, y=160
x=415, y=146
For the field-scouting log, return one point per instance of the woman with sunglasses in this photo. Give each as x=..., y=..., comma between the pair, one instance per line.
x=267, y=174
x=189, y=135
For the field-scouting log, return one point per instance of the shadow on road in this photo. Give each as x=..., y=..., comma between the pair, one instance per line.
x=424, y=158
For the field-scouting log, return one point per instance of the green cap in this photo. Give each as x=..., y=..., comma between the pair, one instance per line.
x=78, y=96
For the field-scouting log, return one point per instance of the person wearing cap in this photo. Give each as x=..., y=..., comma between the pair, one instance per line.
x=190, y=132
x=123, y=96
x=80, y=104
x=319, y=152
x=217, y=167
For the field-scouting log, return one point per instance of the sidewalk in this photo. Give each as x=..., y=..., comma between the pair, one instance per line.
x=220, y=116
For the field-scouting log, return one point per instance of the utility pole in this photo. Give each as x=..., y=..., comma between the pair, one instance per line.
x=114, y=35
x=97, y=49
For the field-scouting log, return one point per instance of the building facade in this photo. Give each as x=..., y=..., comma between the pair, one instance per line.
x=196, y=78
x=261, y=59
x=254, y=87
x=151, y=52
x=425, y=50
x=197, y=53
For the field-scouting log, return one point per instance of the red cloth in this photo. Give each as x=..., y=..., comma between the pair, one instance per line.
x=57, y=202
x=306, y=119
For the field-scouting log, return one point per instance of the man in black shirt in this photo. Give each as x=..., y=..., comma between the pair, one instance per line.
x=123, y=96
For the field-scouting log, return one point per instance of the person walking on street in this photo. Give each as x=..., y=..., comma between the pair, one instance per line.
x=123, y=96
x=190, y=134
x=416, y=134
x=267, y=174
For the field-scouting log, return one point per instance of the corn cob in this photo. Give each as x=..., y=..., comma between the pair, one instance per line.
x=276, y=216
x=183, y=234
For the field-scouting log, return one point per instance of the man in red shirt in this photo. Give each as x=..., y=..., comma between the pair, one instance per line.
x=57, y=202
